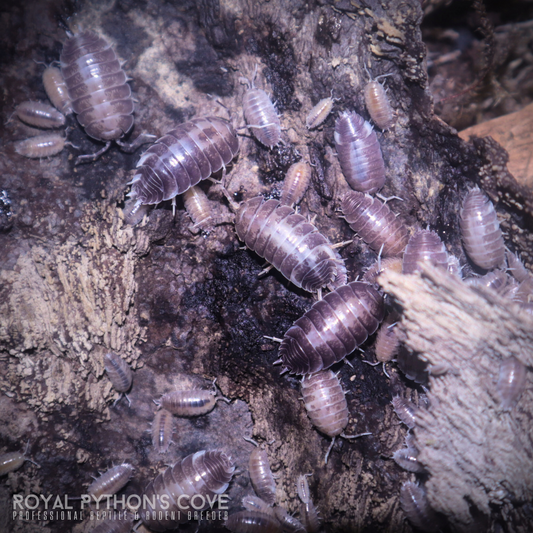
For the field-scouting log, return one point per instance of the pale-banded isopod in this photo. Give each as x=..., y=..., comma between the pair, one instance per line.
x=319, y=113
x=97, y=87
x=393, y=264
x=45, y=145
x=415, y=505
x=332, y=328
x=253, y=503
x=387, y=340
x=119, y=372
x=289, y=524
x=424, y=247
x=114, y=526
x=290, y=243
x=261, y=115
x=40, y=115
x=195, y=480
x=56, y=90
x=375, y=223
x=378, y=105
x=359, y=153
x=253, y=522
x=480, y=231
x=406, y=410
x=11, y=461
x=162, y=430
x=495, y=280
x=261, y=475
x=182, y=158
x=296, y=183
x=516, y=267
x=511, y=382
x=111, y=481
x=194, y=402
x=308, y=511
x=198, y=207
x=407, y=458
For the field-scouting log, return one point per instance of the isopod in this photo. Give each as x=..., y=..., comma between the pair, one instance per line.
x=261, y=475
x=196, y=480
x=511, y=382
x=40, y=115
x=407, y=458
x=111, y=481
x=261, y=115
x=319, y=113
x=415, y=505
x=524, y=291
x=308, y=511
x=296, y=183
x=375, y=223
x=253, y=503
x=406, y=411
x=182, y=158
x=424, y=247
x=378, y=105
x=516, y=267
x=45, y=145
x=381, y=265
x=332, y=328
x=387, y=341
x=119, y=372
x=11, y=461
x=195, y=402
x=480, y=231
x=198, y=207
x=56, y=90
x=253, y=522
x=162, y=430
x=289, y=524
x=359, y=153
x=495, y=280
x=290, y=243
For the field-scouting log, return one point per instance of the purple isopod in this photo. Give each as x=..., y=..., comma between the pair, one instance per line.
x=45, y=145
x=406, y=411
x=40, y=114
x=407, y=458
x=162, y=430
x=261, y=475
x=119, y=372
x=387, y=340
x=296, y=183
x=56, y=90
x=290, y=243
x=511, y=382
x=359, y=153
x=182, y=158
x=111, y=481
x=480, y=231
x=289, y=524
x=516, y=267
x=197, y=480
x=253, y=503
x=319, y=113
x=253, y=522
x=194, y=402
x=376, y=224
x=424, y=247
x=332, y=328
x=415, y=505
x=378, y=105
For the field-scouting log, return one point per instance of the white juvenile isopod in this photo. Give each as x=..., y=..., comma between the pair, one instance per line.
x=56, y=90
x=119, y=373
x=261, y=475
x=406, y=410
x=511, y=382
x=516, y=267
x=162, y=430
x=387, y=341
x=319, y=113
x=111, y=481
x=415, y=505
x=199, y=209
x=11, y=461
x=308, y=511
x=378, y=105
x=296, y=183
x=407, y=458
x=41, y=146
x=40, y=115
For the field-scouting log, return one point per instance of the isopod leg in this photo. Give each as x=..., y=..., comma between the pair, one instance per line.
x=93, y=157
x=143, y=138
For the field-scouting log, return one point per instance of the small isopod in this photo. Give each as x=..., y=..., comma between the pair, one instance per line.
x=407, y=458
x=289, y=524
x=199, y=477
x=195, y=402
x=11, y=461
x=359, y=153
x=308, y=511
x=261, y=115
x=162, y=430
x=480, y=231
x=111, y=481
x=45, y=145
x=296, y=183
x=375, y=223
x=253, y=503
x=415, y=505
x=56, y=90
x=387, y=341
x=332, y=328
x=199, y=208
x=253, y=522
x=261, y=475
x=319, y=113
x=406, y=411
x=182, y=158
x=516, y=267
x=496, y=280
x=119, y=372
x=524, y=291
x=378, y=105
x=381, y=265
x=511, y=382
x=424, y=247
x=290, y=243
x=40, y=115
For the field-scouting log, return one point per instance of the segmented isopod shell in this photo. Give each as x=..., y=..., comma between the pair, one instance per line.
x=406, y=411
x=325, y=402
x=480, y=231
x=319, y=113
x=332, y=328
x=511, y=382
x=516, y=267
x=378, y=105
x=308, y=511
x=56, y=90
x=389, y=263
x=296, y=183
x=424, y=247
x=40, y=115
x=359, y=153
x=40, y=146
x=252, y=522
x=524, y=291
x=387, y=341
x=261, y=475
x=119, y=372
x=114, y=526
x=289, y=524
x=97, y=86
x=198, y=207
x=290, y=243
x=11, y=461
x=253, y=503
x=375, y=223
x=407, y=458
x=495, y=280
x=162, y=429
x=415, y=505
x=261, y=117
x=302, y=487
x=204, y=473
x=182, y=158
x=111, y=482
x=189, y=402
